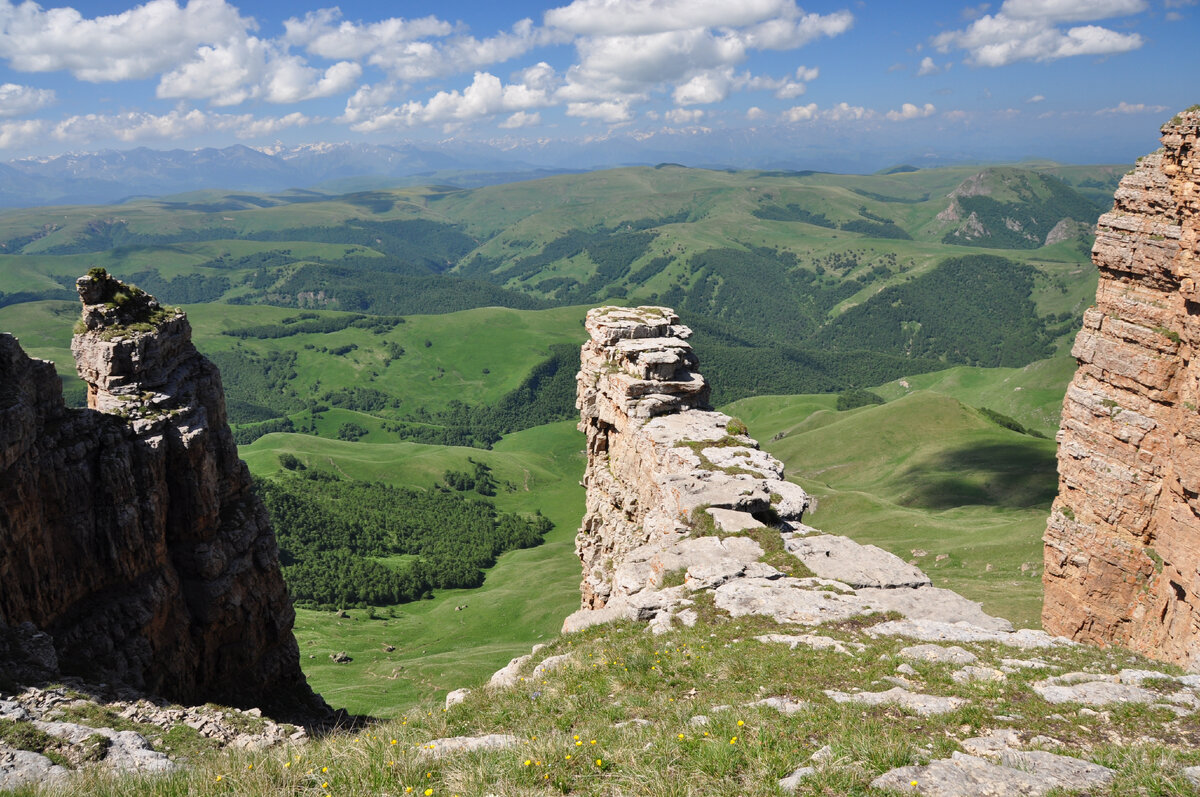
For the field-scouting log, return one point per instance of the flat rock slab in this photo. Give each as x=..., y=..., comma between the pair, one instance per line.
x=792, y=781
x=510, y=673
x=550, y=664
x=814, y=641
x=1103, y=693
x=455, y=697
x=576, y=621
x=1193, y=775
x=467, y=744
x=840, y=558
x=22, y=768
x=937, y=654
x=935, y=631
x=784, y=705
x=937, y=604
x=787, y=601
x=925, y=705
x=643, y=567
x=968, y=776
x=127, y=751
x=729, y=521
x=972, y=674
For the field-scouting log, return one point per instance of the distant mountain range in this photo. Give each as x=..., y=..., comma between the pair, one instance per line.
x=109, y=176
x=113, y=176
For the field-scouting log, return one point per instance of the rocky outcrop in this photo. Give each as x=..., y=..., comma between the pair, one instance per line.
x=133, y=549
x=677, y=492
x=656, y=452
x=1122, y=555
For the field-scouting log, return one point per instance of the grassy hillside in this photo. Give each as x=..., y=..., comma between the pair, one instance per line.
x=767, y=265
x=420, y=363
x=923, y=473
x=438, y=648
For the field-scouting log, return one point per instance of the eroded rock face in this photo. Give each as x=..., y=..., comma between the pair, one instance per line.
x=1122, y=555
x=129, y=532
x=656, y=452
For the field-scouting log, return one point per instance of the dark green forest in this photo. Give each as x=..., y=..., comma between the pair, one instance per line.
x=333, y=533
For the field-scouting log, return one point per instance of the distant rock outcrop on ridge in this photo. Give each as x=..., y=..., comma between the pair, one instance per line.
x=132, y=547
x=1123, y=541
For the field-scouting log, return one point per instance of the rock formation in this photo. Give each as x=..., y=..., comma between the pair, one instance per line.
x=132, y=547
x=666, y=476
x=1122, y=555
x=656, y=452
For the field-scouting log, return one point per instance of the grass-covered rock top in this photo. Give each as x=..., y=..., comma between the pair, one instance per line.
x=113, y=309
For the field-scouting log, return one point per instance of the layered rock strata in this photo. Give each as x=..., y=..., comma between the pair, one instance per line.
x=656, y=453
x=132, y=546
x=1122, y=553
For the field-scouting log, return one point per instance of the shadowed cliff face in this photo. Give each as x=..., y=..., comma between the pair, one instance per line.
x=129, y=532
x=1123, y=539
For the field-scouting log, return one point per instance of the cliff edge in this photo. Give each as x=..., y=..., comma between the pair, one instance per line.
x=1122, y=554
x=132, y=547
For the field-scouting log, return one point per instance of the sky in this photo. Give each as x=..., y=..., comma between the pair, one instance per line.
x=1074, y=80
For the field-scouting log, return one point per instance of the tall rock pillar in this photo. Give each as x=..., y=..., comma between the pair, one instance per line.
x=656, y=452
x=130, y=533
x=1122, y=553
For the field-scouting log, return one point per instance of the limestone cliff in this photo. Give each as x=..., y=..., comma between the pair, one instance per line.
x=656, y=452
x=1122, y=555
x=129, y=532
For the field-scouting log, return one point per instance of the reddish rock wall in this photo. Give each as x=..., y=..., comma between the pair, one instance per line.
x=1122, y=548
x=131, y=534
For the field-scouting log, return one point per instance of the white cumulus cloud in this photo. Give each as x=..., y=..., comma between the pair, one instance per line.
x=612, y=17
x=22, y=133
x=629, y=50
x=610, y=112
x=135, y=44
x=1071, y=10
x=136, y=126
x=683, y=116
x=801, y=113
x=911, y=111
x=245, y=68
x=522, y=119
x=1030, y=30
x=927, y=67
x=411, y=50
x=16, y=100
x=486, y=96
x=845, y=112
x=326, y=34
x=1127, y=108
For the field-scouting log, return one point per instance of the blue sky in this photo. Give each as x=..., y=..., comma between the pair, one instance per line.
x=1075, y=80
